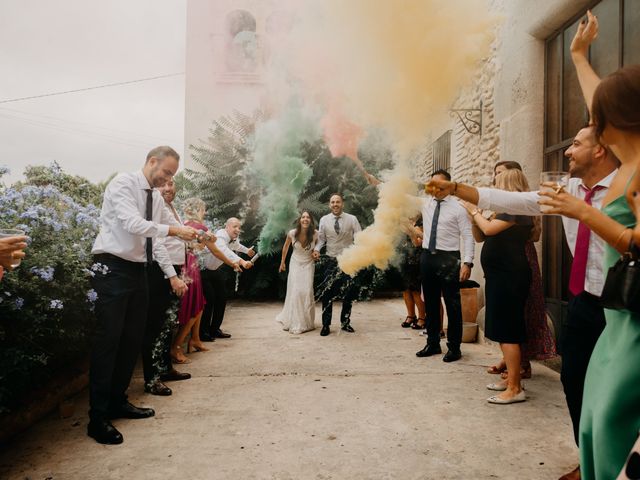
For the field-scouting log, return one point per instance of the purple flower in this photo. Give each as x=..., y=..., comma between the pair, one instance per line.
x=18, y=302
x=56, y=305
x=92, y=295
x=45, y=273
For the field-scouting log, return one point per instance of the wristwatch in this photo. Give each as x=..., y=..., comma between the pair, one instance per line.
x=469, y=264
x=473, y=214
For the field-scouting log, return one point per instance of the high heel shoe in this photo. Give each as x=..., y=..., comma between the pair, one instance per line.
x=178, y=356
x=418, y=323
x=408, y=321
x=196, y=348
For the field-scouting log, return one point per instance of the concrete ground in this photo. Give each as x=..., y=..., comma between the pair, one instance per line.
x=270, y=405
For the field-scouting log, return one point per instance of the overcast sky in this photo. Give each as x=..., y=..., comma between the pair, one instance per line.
x=54, y=46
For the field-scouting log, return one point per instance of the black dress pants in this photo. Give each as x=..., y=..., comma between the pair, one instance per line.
x=121, y=313
x=585, y=322
x=336, y=284
x=440, y=274
x=156, y=346
x=213, y=287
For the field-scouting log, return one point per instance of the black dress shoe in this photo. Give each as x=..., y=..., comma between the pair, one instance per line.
x=126, y=410
x=173, y=376
x=158, y=388
x=206, y=338
x=452, y=356
x=325, y=331
x=221, y=334
x=348, y=328
x=103, y=432
x=429, y=350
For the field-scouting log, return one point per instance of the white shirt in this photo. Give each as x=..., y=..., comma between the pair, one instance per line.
x=175, y=246
x=227, y=247
x=453, y=223
x=526, y=203
x=337, y=242
x=123, y=228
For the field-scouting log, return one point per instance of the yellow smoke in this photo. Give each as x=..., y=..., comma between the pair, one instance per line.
x=396, y=66
x=376, y=244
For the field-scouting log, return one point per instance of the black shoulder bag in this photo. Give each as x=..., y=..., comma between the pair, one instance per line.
x=622, y=286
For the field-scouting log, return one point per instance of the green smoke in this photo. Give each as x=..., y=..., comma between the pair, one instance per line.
x=281, y=169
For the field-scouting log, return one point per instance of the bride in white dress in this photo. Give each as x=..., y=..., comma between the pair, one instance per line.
x=298, y=314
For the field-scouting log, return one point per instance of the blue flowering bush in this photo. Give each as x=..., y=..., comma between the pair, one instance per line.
x=46, y=304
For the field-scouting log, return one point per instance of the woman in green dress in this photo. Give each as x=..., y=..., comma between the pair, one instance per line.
x=610, y=418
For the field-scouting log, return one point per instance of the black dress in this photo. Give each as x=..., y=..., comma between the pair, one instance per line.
x=507, y=278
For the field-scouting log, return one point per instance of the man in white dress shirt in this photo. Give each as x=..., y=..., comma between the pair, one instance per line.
x=214, y=279
x=133, y=218
x=156, y=357
x=592, y=168
x=445, y=222
x=336, y=230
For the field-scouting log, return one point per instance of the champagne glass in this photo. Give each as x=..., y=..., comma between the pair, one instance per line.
x=12, y=232
x=554, y=180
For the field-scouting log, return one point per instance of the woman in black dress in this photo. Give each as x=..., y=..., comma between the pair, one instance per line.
x=507, y=280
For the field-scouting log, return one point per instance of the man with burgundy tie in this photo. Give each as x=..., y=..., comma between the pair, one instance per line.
x=442, y=269
x=132, y=220
x=592, y=168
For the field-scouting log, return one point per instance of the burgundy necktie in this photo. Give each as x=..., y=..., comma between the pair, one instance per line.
x=581, y=253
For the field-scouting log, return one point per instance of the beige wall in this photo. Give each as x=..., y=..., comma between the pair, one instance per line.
x=212, y=91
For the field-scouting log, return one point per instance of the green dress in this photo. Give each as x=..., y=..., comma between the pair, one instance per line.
x=610, y=418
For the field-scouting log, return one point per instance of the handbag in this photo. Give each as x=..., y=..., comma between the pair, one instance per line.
x=622, y=286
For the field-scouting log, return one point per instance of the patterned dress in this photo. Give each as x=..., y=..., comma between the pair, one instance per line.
x=540, y=344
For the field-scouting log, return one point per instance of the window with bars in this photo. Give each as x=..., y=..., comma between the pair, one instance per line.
x=441, y=150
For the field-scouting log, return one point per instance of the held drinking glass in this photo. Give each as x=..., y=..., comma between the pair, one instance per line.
x=12, y=232
x=554, y=181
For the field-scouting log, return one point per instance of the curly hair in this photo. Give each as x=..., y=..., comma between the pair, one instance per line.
x=192, y=207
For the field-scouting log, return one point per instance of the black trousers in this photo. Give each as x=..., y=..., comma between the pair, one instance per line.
x=585, y=322
x=156, y=346
x=213, y=287
x=121, y=313
x=440, y=274
x=336, y=284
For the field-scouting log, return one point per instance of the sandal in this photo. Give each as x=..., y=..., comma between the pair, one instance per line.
x=497, y=369
x=179, y=357
x=408, y=322
x=418, y=324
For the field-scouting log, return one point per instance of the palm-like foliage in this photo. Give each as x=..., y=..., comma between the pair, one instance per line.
x=224, y=179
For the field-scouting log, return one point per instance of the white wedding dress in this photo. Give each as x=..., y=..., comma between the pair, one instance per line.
x=298, y=314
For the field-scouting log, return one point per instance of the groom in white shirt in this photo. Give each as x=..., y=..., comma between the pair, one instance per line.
x=336, y=230
x=132, y=220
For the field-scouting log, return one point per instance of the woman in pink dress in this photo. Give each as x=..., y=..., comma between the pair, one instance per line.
x=193, y=301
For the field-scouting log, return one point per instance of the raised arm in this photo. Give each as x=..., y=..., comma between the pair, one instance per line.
x=285, y=250
x=585, y=35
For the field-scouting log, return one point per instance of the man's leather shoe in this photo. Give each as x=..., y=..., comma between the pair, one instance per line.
x=429, y=350
x=325, y=331
x=572, y=475
x=452, y=356
x=221, y=334
x=206, y=338
x=173, y=376
x=158, y=388
x=348, y=328
x=103, y=432
x=126, y=410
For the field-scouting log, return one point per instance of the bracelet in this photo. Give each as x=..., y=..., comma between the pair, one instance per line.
x=615, y=245
x=455, y=187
